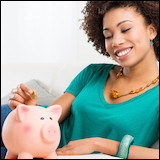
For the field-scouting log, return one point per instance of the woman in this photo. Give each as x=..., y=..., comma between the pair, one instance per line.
x=105, y=102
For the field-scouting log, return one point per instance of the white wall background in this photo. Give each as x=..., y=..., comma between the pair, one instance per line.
x=44, y=32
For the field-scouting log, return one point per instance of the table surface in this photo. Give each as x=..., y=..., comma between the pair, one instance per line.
x=88, y=156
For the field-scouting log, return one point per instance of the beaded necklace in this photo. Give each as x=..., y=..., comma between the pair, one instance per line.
x=116, y=94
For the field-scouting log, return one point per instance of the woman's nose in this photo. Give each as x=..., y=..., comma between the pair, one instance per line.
x=117, y=40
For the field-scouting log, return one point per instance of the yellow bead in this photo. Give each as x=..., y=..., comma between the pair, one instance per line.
x=154, y=81
x=132, y=92
x=141, y=89
x=115, y=94
x=118, y=75
x=148, y=85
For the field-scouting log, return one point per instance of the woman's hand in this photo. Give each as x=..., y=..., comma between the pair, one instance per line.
x=78, y=147
x=22, y=95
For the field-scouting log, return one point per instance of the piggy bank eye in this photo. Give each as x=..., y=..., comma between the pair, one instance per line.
x=41, y=118
x=50, y=118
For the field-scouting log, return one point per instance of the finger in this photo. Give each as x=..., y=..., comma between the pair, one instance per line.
x=62, y=152
x=59, y=152
x=13, y=104
x=30, y=92
x=22, y=93
x=14, y=90
x=18, y=91
x=16, y=97
x=25, y=88
x=65, y=150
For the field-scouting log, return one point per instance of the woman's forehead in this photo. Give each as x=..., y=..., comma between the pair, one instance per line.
x=118, y=15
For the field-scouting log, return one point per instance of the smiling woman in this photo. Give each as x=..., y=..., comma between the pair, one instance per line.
x=122, y=39
x=95, y=11
x=123, y=27
x=127, y=39
x=108, y=108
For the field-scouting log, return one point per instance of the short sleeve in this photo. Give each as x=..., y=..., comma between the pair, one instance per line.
x=78, y=83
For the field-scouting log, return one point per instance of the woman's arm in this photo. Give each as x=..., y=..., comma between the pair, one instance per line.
x=106, y=146
x=137, y=152
x=110, y=147
x=66, y=102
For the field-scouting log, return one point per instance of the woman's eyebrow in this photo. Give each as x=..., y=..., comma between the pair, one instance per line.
x=104, y=29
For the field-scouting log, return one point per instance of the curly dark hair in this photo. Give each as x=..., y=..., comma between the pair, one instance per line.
x=95, y=10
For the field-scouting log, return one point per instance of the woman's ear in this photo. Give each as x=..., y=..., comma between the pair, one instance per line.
x=152, y=32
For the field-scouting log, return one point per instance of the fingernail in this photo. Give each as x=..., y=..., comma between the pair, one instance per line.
x=30, y=91
x=14, y=90
x=9, y=102
x=11, y=96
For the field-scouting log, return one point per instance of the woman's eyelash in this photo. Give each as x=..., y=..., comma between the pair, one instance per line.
x=125, y=30
x=108, y=37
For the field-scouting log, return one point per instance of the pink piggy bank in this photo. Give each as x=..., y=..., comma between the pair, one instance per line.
x=32, y=131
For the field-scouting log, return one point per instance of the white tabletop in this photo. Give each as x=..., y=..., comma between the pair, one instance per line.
x=88, y=156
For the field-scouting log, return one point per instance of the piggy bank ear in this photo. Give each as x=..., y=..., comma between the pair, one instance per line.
x=56, y=110
x=22, y=111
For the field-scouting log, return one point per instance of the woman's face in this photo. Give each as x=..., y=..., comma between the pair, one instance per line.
x=127, y=37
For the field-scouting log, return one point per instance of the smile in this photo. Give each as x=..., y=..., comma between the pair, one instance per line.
x=123, y=53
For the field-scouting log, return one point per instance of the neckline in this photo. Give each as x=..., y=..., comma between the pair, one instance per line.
x=124, y=102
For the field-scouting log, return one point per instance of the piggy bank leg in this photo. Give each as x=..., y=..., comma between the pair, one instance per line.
x=10, y=155
x=53, y=155
x=25, y=155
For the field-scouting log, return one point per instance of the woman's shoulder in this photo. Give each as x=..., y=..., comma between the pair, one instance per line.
x=96, y=66
x=113, y=68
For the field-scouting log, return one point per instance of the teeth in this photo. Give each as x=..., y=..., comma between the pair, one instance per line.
x=123, y=52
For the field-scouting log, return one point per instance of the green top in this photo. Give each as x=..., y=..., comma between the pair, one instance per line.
x=92, y=116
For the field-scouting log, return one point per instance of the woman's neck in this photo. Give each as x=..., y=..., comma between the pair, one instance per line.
x=147, y=70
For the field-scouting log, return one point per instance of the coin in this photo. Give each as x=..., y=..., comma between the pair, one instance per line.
x=33, y=95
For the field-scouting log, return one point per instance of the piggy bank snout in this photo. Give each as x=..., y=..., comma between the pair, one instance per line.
x=49, y=133
x=50, y=130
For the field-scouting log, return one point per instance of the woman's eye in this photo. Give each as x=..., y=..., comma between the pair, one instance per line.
x=50, y=118
x=107, y=37
x=125, y=30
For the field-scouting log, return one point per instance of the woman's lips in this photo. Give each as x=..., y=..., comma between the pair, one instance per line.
x=123, y=54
